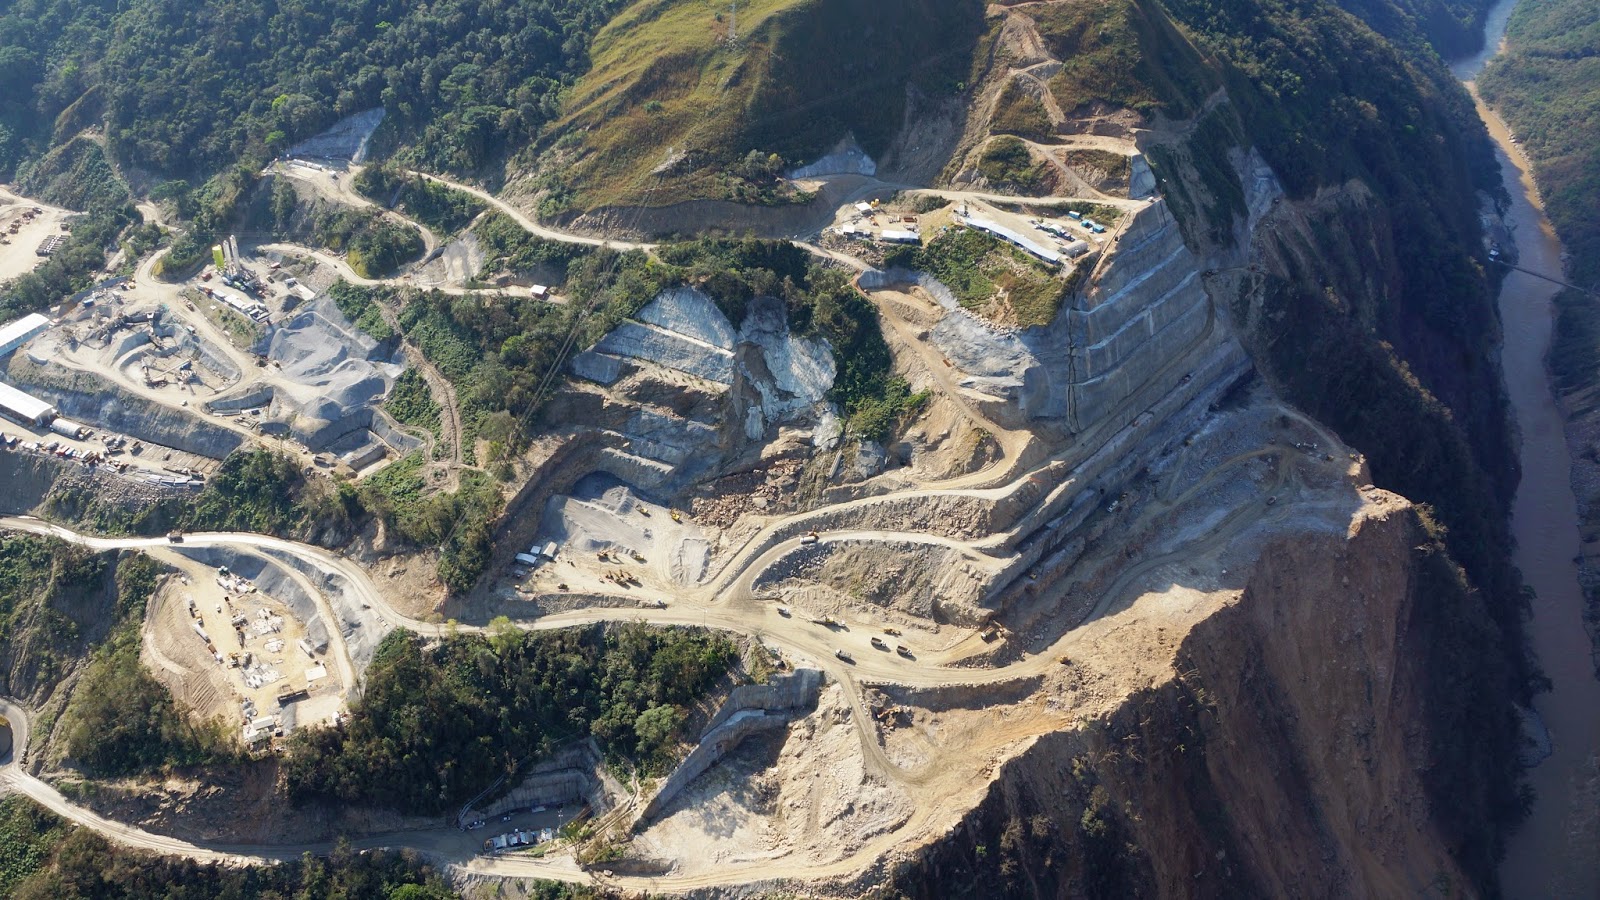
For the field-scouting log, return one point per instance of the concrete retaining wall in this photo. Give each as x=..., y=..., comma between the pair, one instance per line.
x=597, y=367
x=750, y=709
x=646, y=473
x=571, y=775
x=388, y=431
x=252, y=399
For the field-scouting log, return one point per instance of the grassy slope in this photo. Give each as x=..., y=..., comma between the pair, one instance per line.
x=803, y=73
x=1123, y=53
x=992, y=278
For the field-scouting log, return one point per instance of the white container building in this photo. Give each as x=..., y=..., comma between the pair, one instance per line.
x=68, y=428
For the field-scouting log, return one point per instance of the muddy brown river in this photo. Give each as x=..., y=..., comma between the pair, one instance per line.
x=1553, y=854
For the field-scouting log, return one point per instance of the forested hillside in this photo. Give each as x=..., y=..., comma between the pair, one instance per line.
x=1547, y=87
x=438, y=725
x=1452, y=27
x=184, y=89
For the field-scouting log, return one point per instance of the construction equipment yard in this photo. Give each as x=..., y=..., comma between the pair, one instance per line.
x=229, y=651
x=26, y=225
x=199, y=376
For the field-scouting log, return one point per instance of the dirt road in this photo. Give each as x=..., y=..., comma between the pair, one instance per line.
x=938, y=783
x=531, y=226
x=337, y=185
x=946, y=772
x=18, y=255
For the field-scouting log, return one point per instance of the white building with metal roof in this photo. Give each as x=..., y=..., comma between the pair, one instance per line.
x=21, y=331
x=23, y=408
x=1000, y=231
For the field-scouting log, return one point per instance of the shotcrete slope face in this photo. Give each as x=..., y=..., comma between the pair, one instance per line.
x=347, y=139
x=801, y=370
x=1145, y=307
x=332, y=372
x=781, y=378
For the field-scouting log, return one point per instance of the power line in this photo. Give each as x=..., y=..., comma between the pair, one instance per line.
x=553, y=372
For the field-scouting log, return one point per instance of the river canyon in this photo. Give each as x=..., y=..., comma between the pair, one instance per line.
x=1553, y=853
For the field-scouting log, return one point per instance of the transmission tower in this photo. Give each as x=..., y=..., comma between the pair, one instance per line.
x=733, y=23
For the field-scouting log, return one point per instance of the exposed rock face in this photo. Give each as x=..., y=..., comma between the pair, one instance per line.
x=687, y=389
x=346, y=139
x=1300, y=746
